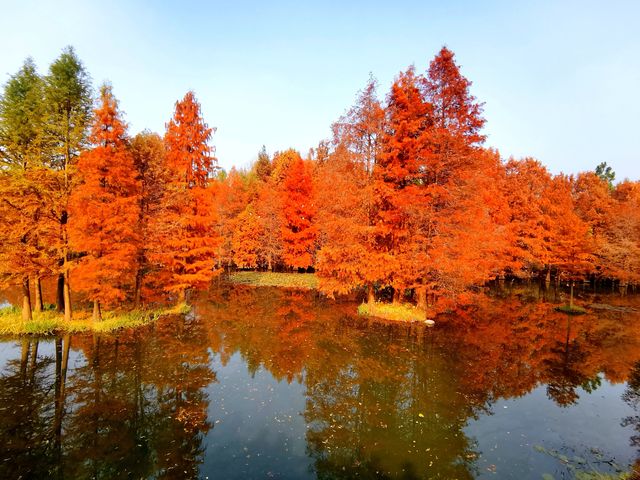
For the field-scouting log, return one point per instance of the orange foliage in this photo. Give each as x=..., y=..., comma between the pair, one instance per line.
x=298, y=211
x=404, y=196
x=621, y=250
x=345, y=198
x=149, y=159
x=187, y=240
x=401, y=236
x=246, y=238
x=104, y=209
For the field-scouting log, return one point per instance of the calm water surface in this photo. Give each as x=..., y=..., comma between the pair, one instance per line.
x=266, y=383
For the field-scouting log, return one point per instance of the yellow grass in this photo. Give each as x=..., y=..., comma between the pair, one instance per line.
x=402, y=312
x=307, y=281
x=50, y=322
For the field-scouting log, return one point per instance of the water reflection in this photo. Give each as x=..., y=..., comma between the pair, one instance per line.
x=379, y=400
x=133, y=406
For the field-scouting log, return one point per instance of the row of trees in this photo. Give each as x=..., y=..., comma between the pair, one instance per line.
x=79, y=195
x=404, y=196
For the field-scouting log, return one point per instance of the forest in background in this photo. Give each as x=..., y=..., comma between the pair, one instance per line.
x=404, y=198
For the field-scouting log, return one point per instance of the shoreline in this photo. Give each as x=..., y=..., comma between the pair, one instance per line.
x=51, y=322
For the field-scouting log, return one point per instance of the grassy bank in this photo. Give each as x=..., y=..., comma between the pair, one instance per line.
x=571, y=310
x=50, y=322
x=306, y=281
x=401, y=312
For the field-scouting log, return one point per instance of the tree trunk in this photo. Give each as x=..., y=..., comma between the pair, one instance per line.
x=26, y=300
x=57, y=398
x=97, y=313
x=66, y=341
x=34, y=358
x=24, y=358
x=38, y=289
x=421, y=293
x=182, y=296
x=60, y=293
x=623, y=288
x=547, y=278
x=67, y=297
x=137, y=295
x=371, y=294
x=571, y=297
x=397, y=295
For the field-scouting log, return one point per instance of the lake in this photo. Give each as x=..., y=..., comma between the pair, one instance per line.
x=271, y=383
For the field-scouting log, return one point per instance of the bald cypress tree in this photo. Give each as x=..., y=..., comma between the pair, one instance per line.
x=25, y=238
x=104, y=209
x=67, y=95
x=186, y=240
x=22, y=119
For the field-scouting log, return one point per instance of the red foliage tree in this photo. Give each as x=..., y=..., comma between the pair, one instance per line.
x=399, y=235
x=298, y=227
x=30, y=232
x=187, y=239
x=621, y=250
x=571, y=239
x=104, y=210
x=149, y=158
x=464, y=184
x=246, y=238
x=345, y=199
x=232, y=198
x=267, y=209
x=529, y=185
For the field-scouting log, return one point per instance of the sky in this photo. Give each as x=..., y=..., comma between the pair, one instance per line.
x=559, y=78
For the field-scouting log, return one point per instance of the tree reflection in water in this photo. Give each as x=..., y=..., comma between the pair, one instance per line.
x=135, y=406
x=380, y=400
x=388, y=400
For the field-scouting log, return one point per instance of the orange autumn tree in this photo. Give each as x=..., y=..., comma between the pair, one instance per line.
x=232, y=198
x=345, y=199
x=298, y=228
x=621, y=251
x=463, y=183
x=529, y=186
x=246, y=238
x=572, y=242
x=149, y=158
x=267, y=209
x=401, y=217
x=104, y=210
x=187, y=239
x=593, y=204
x=29, y=231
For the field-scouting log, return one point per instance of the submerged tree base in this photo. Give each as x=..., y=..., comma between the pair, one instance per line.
x=305, y=281
x=572, y=309
x=400, y=312
x=49, y=322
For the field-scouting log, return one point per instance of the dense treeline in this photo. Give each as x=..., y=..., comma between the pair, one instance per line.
x=404, y=197
x=126, y=217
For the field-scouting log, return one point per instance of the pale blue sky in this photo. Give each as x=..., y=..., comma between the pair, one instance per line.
x=560, y=78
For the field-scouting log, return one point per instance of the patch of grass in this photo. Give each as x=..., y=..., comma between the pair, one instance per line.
x=402, y=312
x=50, y=322
x=306, y=281
x=575, y=310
